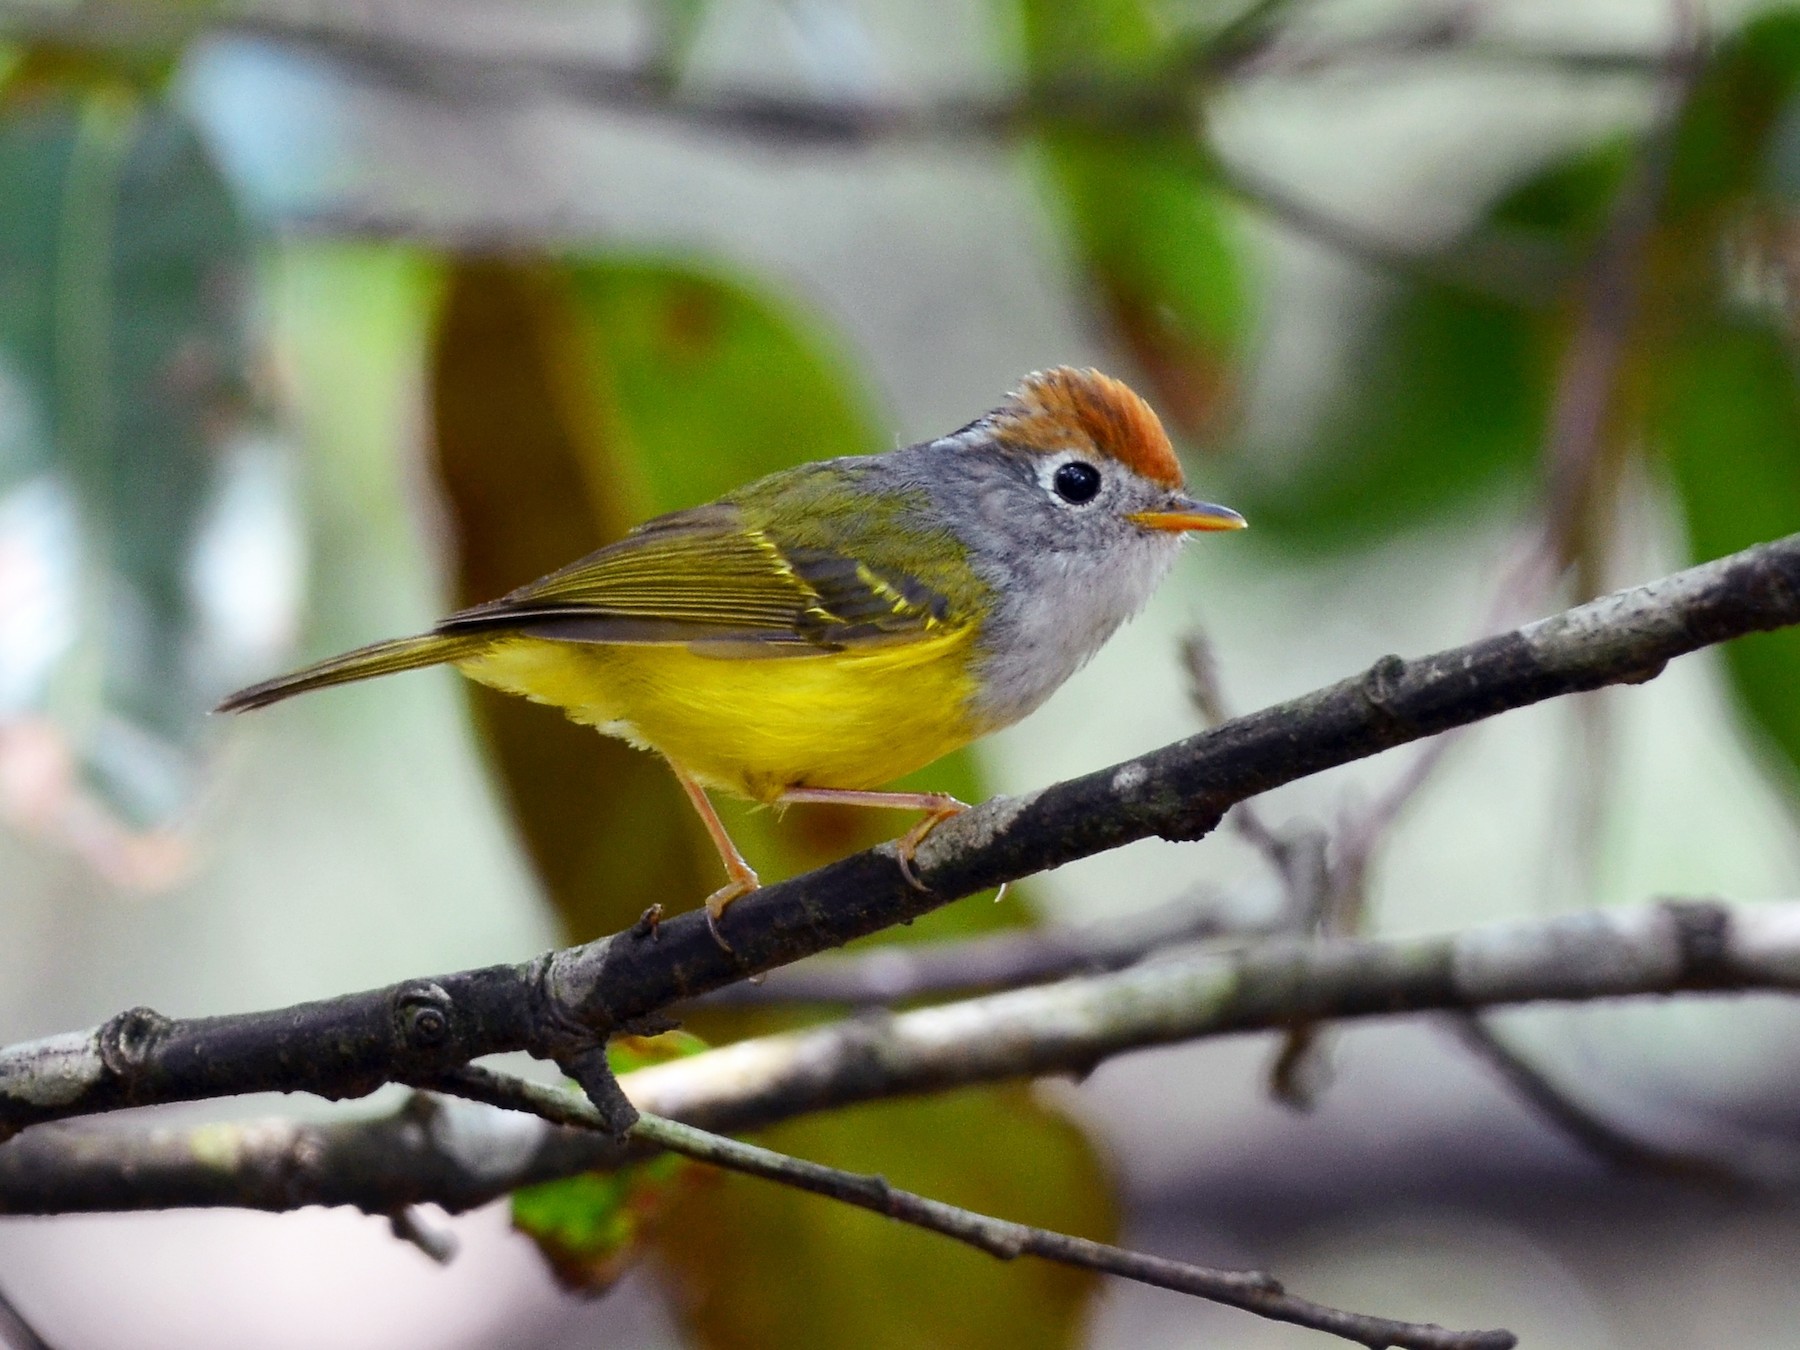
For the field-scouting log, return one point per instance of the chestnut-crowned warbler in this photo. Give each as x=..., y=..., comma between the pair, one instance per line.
x=834, y=626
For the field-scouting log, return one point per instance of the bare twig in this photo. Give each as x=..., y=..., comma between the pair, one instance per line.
x=1252, y=1291
x=459, y=1156
x=1590, y=367
x=891, y=975
x=1593, y=1132
x=410, y=1226
x=1206, y=692
x=432, y=63
x=348, y=1045
x=1156, y=102
x=15, y=1331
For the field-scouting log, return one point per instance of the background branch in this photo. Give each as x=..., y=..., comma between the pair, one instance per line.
x=1605, y=1140
x=16, y=1333
x=1252, y=1291
x=1161, y=100
x=1008, y=960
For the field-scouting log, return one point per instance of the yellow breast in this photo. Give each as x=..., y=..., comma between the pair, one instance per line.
x=858, y=718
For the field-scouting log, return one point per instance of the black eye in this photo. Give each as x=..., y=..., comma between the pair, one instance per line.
x=1076, y=482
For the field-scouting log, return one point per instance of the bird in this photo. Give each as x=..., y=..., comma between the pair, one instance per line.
x=831, y=627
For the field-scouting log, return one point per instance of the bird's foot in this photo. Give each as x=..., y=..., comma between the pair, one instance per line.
x=740, y=885
x=938, y=812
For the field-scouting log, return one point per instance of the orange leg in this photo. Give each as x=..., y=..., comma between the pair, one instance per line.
x=938, y=807
x=740, y=879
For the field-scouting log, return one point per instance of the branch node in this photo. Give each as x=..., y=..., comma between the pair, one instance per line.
x=409, y=1225
x=128, y=1041
x=589, y=1067
x=425, y=1018
x=649, y=924
x=1380, y=686
x=1192, y=824
x=650, y=1024
x=1702, y=939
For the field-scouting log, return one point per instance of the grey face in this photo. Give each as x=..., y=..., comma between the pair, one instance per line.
x=1049, y=531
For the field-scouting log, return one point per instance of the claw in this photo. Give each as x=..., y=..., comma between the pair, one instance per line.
x=735, y=889
x=910, y=841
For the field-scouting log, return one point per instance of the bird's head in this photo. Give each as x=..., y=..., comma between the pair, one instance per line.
x=1070, y=503
x=1096, y=449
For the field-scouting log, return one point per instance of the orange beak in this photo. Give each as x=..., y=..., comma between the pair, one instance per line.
x=1184, y=513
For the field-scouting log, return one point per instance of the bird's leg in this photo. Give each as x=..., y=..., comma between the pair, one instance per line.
x=938, y=807
x=740, y=879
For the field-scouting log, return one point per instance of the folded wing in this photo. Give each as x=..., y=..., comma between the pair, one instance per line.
x=708, y=578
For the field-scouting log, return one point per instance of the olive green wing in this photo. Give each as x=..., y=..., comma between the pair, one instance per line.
x=708, y=578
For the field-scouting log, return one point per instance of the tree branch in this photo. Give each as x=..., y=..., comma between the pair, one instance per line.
x=1611, y=1144
x=891, y=975
x=460, y=1155
x=432, y=64
x=1160, y=99
x=559, y=1004
x=1252, y=1291
x=15, y=1332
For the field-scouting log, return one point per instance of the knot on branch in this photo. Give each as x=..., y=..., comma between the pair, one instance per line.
x=1380, y=686
x=424, y=1018
x=1702, y=940
x=127, y=1041
x=578, y=1047
x=1193, y=821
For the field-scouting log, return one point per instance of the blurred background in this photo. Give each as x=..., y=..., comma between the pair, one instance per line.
x=317, y=320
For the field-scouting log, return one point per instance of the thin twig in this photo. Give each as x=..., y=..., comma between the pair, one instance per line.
x=1252, y=1291
x=1311, y=886
x=892, y=975
x=1590, y=367
x=16, y=1331
x=1151, y=103
x=410, y=1226
x=1593, y=1132
x=1206, y=692
x=427, y=63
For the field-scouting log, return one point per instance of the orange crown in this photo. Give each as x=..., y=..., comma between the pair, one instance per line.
x=1052, y=407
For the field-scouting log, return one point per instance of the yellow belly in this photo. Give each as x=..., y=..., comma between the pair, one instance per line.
x=852, y=719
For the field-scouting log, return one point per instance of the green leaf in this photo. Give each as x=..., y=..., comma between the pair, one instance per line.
x=762, y=1267
x=1728, y=417
x=593, y=1228
x=1161, y=247
x=1568, y=202
x=1446, y=410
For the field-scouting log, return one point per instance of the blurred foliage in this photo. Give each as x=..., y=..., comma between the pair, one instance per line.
x=1450, y=403
x=570, y=400
x=1448, y=409
x=1729, y=417
x=592, y=1228
x=1143, y=210
x=135, y=444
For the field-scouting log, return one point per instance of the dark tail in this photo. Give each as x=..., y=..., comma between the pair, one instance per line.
x=365, y=663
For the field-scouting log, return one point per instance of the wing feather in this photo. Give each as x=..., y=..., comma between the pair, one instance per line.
x=707, y=577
